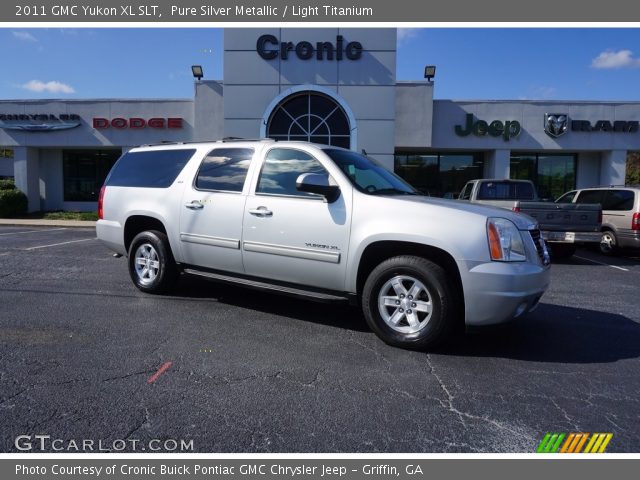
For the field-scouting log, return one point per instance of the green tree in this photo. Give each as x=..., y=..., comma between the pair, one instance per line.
x=633, y=168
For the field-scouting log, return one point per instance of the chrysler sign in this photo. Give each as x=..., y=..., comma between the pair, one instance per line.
x=39, y=122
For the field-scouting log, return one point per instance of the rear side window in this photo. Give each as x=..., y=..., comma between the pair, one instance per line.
x=466, y=192
x=506, y=191
x=591, y=196
x=567, y=197
x=150, y=169
x=224, y=169
x=619, y=200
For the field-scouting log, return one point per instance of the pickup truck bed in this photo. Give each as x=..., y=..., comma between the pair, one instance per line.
x=565, y=222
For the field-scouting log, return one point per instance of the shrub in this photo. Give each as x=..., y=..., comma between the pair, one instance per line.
x=13, y=203
x=7, y=184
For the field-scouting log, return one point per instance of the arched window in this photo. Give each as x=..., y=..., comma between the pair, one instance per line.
x=312, y=117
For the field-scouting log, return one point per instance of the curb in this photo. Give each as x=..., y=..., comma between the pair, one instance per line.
x=17, y=222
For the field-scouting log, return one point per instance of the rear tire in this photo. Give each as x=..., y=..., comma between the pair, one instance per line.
x=151, y=264
x=408, y=302
x=608, y=243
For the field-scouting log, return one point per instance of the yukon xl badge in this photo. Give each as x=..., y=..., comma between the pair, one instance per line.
x=320, y=245
x=556, y=124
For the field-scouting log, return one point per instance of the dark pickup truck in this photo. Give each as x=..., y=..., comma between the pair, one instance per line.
x=563, y=225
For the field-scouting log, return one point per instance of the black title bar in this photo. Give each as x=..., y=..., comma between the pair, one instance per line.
x=330, y=11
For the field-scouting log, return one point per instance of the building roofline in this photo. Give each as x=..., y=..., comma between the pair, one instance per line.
x=542, y=102
x=85, y=100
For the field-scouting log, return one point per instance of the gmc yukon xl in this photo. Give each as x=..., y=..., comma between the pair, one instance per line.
x=325, y=223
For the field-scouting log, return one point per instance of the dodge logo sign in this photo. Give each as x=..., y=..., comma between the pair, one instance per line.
x=556, y=124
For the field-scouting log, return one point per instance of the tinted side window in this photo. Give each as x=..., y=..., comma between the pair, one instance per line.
x=591, y=196
x=224, y=169
x=567, y=197
x=151, y=169
x=618, y=200
x=466, y=192
x=281, y=168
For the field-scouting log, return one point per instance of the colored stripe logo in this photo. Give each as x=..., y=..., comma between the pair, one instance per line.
x=574, y=443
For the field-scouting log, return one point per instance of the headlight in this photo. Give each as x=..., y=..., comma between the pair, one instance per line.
x=505, y=241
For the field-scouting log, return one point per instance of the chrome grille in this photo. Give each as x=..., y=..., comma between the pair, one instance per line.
x=538, y=241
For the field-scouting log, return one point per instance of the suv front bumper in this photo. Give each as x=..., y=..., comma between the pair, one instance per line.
x=497, y=292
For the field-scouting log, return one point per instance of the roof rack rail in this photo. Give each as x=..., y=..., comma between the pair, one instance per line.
x=241, y=139
x=224, y=140
x=161, y=142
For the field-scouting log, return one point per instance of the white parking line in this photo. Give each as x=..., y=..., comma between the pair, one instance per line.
x=600, y=263
x=31, y=231
x=62, y=243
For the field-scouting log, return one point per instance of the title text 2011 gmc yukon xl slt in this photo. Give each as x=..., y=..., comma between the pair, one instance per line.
x=322, y=222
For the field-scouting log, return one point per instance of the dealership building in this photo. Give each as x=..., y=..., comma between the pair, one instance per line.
x=327, y=85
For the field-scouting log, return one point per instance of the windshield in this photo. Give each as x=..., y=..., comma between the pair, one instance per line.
x=368, y=176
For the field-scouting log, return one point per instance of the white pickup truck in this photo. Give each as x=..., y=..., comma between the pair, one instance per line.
x=563, y=225
x=325, y=223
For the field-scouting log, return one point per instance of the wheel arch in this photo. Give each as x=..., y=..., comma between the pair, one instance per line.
x=136, y=224
x=379, y=251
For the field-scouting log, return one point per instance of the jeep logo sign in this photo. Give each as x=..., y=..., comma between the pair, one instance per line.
x=269, y=48
x=507, y=129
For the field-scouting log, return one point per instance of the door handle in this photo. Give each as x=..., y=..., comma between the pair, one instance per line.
x=261, y=212
x=194, y=205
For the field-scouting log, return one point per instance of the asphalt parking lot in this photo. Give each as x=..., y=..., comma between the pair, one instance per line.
x=85, y=355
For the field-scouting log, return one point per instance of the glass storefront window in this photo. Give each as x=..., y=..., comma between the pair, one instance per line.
x=439, y=175
x=84, y=172
x=6, y=163
x=553, y=175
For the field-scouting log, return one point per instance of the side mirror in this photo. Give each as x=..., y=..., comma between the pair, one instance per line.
x=318, y=183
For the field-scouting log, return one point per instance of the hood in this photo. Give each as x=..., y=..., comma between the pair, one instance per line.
x=522, y=221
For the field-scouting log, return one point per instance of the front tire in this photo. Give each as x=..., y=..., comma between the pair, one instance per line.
x=407, y=301
x=151, y=264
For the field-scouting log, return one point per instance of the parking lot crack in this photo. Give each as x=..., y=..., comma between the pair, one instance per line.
x=379, y=355
x=20, y=392
x=448, y=403
x=160, y=345
x=145, y=422
x=463, y=416
x=569, y=420
x=315, y=380
x=122, y=377
x=46, y=420
x=233, y=380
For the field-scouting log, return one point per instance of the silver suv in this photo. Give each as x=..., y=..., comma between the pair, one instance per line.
x=620, y=214
x=325, y=223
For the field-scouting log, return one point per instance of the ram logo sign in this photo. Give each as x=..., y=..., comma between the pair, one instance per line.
x=556, y=124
